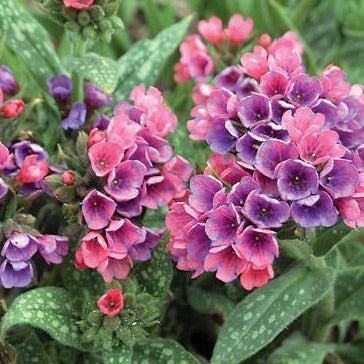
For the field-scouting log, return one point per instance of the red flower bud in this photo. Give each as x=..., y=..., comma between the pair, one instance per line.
x=12, y=108
x=68, y=178
x=33, y=170
x=112, y=302
x=95, y=137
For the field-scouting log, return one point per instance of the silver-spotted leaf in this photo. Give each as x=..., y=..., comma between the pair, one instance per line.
x=29, y=40
x=143, y=63
x=263, y=314
x=48, y=309
x=161, y=351
x=118, y=356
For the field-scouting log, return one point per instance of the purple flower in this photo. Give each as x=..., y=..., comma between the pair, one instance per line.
x=229, y=78
x=248, y=146
x=254, y=109
x=271, y=153
x=15, y=274
x=241, y=190
x=125, y=180
x=222, y=224
x=274, y=84
x=97, y=209
x=339, y=177
x=203, y=189
x=60, y=87
x=132, y=208
x=328, y=109
x=264, y=211
x=246, y=86
x=257, y=246
x=316, y=210
x=305, y=90
x=96, y=98
x=296, y=180
x=279, y=107
x=26, y=148
x=19, y=247
x=53, y=248
x=142, y=251
x=219, y=137
x=101, y=122
x=271, y=131
x=3, y=189
x=8, y=83
x=76, y=117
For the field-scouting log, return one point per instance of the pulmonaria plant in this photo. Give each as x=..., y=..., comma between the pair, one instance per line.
x=288, y=152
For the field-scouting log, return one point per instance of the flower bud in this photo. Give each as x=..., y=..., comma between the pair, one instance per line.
x=12, y=108
x=72, y=26
x=64, y=194
x=116, y=22
x=68, y=178
x=89, y=32
x=111, y=323
x=105, y=24
x=8, y=83
x=97, y=13
x=95, y=317
x=95, y=137
x=83, y=18
x=112, y=9
x=100, y=2
x=70, y=13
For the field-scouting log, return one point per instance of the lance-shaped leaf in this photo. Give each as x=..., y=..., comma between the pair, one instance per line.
x=161, y=351
x=29, y=40
x=263, y=314
x=100, y=70
x=48, y=309
x=146, y=59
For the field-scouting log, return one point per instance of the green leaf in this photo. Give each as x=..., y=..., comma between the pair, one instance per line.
x=327, y=239
x=209, y=302
x=297, y=350
x=118, y=356
x=100, y=70
x=263, y=314
x=161, y=351
x=296, y=249
x=349, y=298
x=155, y=276
x=48, y=309
x=143, y=63
x=29, y=40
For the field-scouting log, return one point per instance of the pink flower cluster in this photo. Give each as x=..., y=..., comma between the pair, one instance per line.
x=137, y=170
x=295, y=146
x=196, y=61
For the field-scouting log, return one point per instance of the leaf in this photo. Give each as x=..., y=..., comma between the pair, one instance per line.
x=209, y=302
x=48, y=309
x=143, y=63
x=118, y=356
x=296, y=249
x=161, y=351
x=297, y=350
x=29, y=40
x=155, y=276
x=100, y=70
x=327, y=239
x=263, y=314
x=349, y=294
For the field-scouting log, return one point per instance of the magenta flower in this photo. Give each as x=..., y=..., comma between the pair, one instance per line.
x=3, y=189
x=257, y=246
x=316, y=210
x=124, y=182
x=239, y=29
x=296, y=180
x=53, y=248
x=254, y=109
x=211, y=29
x=274, y=84
x=264, y=211
x=142, y=251
x=305, y=90
x=159, y=192
x=97, y=209
x=4, y=156
x=335, y=86
x=229, y=78
x=104, y=156
x=248, y=146
x=240, y=191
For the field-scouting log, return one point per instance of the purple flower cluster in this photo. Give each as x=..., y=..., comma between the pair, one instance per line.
x=60, y=87
x=137, y=169
x=16, y=269
x=296, y=147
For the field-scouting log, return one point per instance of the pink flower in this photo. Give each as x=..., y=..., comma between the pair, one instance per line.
x=201, y=93
x=78, y=4
x=104, y=156
x=53, y=248
x=12, y=108
x=118, y=268
x=254, y=276
x=95, y=136
x=352, y=210
x=304, y=122
x=159, y=192
x=93, y=250
x=255, y=64
x=239, y=29
x=201, y=123
x=33, y=169
x=288, y=42
x=181, y=72
x=68, y=178
x=211, y=29
x=285, y=61
x=97, y=209
x=112, y=302
x=335, y=86
x=4, y=156
x=265, y=40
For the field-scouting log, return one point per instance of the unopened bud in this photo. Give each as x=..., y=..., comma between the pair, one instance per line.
x=96, y=12
x=72, y=26
x=12, y=108
x=116, y=22
x=83, y=18
x=112, y=9
x=68, y=178
x=89, y=32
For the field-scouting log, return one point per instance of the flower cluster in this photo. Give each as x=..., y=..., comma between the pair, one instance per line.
x=16, y=269
x=136, y=170
x=296, y=156
x=10, y=108
x=196, y=61
x=77, y=113
x=93, y=19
